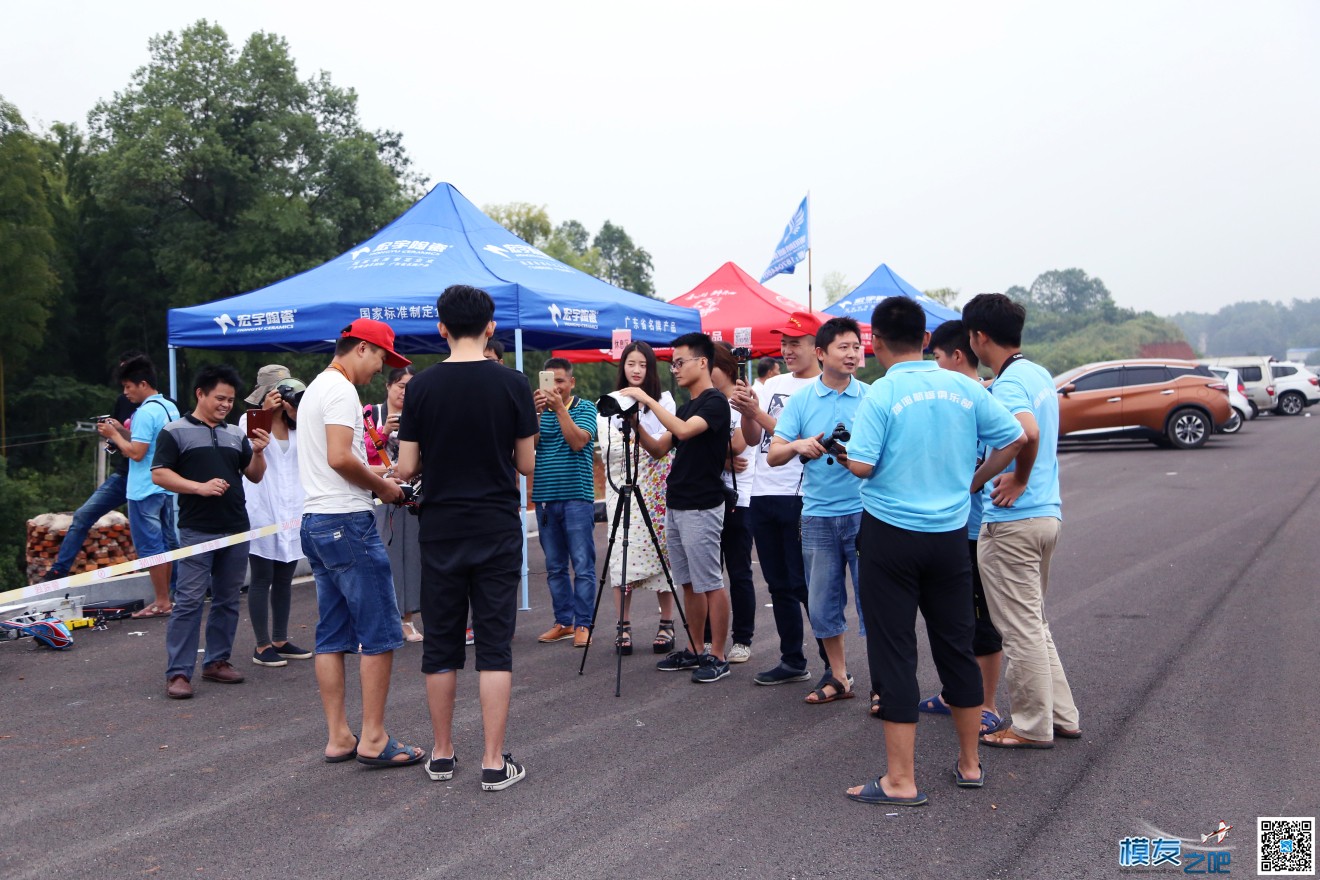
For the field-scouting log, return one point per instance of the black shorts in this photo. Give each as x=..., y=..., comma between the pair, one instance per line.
x=481, y=574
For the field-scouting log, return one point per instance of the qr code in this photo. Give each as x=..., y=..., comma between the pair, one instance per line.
x=1286, y=846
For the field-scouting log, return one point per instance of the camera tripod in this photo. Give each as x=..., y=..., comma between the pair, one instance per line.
x=627, y=493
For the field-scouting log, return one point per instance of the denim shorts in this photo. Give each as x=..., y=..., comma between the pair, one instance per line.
x=151, y=523
x=829, y=554
x=693, y=541
x=354, y=586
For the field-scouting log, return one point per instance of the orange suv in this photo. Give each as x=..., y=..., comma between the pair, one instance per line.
x=1170, y=402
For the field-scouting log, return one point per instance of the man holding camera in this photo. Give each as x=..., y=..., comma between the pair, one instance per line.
x=776, y=507
x=695, y=502
x=204, y=460
x=354, y=587
x=469, y=425
x=832, y=500
x=564, y=492
x=150, y=507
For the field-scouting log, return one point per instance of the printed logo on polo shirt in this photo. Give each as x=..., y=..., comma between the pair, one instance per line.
x=930, y=396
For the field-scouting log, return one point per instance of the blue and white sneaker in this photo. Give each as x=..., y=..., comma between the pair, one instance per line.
x=710, y=670
x=678, y=661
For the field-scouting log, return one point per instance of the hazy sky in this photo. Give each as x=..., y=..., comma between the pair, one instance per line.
x=1169, y=148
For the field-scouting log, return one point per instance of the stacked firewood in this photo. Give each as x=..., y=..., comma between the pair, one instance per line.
x=108, y=543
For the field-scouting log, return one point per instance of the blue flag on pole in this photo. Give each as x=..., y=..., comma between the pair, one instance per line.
x=793, y=246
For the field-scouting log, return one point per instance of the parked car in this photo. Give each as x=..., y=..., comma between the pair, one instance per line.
x=1295, y=388
x=1170, y=402
x=1237, y=398
x=1256, y=376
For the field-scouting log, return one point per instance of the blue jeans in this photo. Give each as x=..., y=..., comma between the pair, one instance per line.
x=354, y=586
x=829, y=546
x=154, y=526
x=107, y=497
x=568, y=534
x=222, y=572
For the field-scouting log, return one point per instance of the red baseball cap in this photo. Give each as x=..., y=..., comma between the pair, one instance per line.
x=377, y=333
x=799, y=324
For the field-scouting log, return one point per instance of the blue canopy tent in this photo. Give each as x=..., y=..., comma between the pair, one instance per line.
x=882, y=283
x=396, y=275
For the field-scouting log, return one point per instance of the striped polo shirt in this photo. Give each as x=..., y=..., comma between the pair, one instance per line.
x=561, y=473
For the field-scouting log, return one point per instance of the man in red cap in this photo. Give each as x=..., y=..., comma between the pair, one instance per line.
x=776, y=507
x=354, y=588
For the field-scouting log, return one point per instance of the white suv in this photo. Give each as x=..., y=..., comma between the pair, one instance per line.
x=1295, y=387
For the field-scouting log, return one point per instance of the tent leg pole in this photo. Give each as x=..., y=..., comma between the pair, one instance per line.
x=524, y=604
x=174, y=373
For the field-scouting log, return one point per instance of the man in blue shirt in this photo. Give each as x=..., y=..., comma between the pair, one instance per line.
x=914, y=446
x=150, y=507
x=831, y=495
x=1019, y=531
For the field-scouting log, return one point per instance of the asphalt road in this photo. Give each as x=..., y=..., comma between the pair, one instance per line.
x=1183, y=602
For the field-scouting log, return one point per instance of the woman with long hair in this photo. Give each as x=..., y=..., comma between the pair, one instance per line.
x=398, y=528
x=277, y=498
x=637, y=368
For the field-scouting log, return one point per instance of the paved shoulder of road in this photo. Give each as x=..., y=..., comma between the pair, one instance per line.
x=1182, y=599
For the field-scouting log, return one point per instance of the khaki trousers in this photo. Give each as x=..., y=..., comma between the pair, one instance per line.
x=1014, y=558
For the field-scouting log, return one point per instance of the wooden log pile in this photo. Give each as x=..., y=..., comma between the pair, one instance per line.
x=108, y=543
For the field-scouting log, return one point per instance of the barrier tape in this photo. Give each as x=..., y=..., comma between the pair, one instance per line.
x=112, y=571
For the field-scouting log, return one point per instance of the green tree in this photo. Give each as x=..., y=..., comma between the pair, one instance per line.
x=945, y=296
x=834, y=286
x=219, y=171
x=28, y=253
x=623, y=263
x=529, y=222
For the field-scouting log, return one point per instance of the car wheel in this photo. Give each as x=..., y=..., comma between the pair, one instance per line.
x=1255, y=410
x=1233, y=425
x=1291, y=403
x=1188, y=429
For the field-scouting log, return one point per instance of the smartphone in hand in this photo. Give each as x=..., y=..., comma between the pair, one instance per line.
x=547, y=378
x=259, y=419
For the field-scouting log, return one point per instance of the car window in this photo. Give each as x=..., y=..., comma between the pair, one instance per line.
x=1099, y=379
x=1249, y=374
x=1145, y=375
x=1198, y=370
x=1281, y=370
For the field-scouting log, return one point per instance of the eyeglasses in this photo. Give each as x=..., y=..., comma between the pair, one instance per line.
x=678, y=363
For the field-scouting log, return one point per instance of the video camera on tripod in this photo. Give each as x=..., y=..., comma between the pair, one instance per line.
x=833, y=444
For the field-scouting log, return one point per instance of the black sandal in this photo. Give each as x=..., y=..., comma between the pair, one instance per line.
x=875, y=705
x=664, y=637
x=841, y=692
x=623, y=641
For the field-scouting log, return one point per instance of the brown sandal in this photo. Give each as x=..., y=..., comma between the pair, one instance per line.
x=152, y=611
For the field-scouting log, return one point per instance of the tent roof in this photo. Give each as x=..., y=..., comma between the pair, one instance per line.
x=882, y=283
x=397, y=274
x=730, y=299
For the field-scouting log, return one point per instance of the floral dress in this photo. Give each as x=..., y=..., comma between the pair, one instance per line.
x=644, y=568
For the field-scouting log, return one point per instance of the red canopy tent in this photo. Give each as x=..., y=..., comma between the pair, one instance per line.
x=728, y=300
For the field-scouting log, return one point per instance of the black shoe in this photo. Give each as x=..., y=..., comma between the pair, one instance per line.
x=440, y=769
x=498, y=780
x=53, y=575
x=710, y=670
x=290, y=651
x=678, y=661
x=268, y=656
x=781, y=675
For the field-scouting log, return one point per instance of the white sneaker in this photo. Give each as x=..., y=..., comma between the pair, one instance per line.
x=739, y=653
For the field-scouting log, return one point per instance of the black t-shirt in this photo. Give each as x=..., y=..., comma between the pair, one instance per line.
x=196, y=451
x=465, y=417
x=694, y=481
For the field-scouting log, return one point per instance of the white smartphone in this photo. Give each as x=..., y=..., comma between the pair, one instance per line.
x=547, y=380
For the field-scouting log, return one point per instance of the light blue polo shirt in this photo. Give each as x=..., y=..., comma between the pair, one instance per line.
x=1028, y=387
x=827, y=489
x=920, y=426
x=151, y=416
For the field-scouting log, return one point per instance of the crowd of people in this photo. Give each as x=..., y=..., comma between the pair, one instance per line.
x=930, y=490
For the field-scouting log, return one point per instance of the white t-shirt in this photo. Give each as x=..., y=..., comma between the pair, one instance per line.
x=785, y=479
x=746, y=478
x=330, y=400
